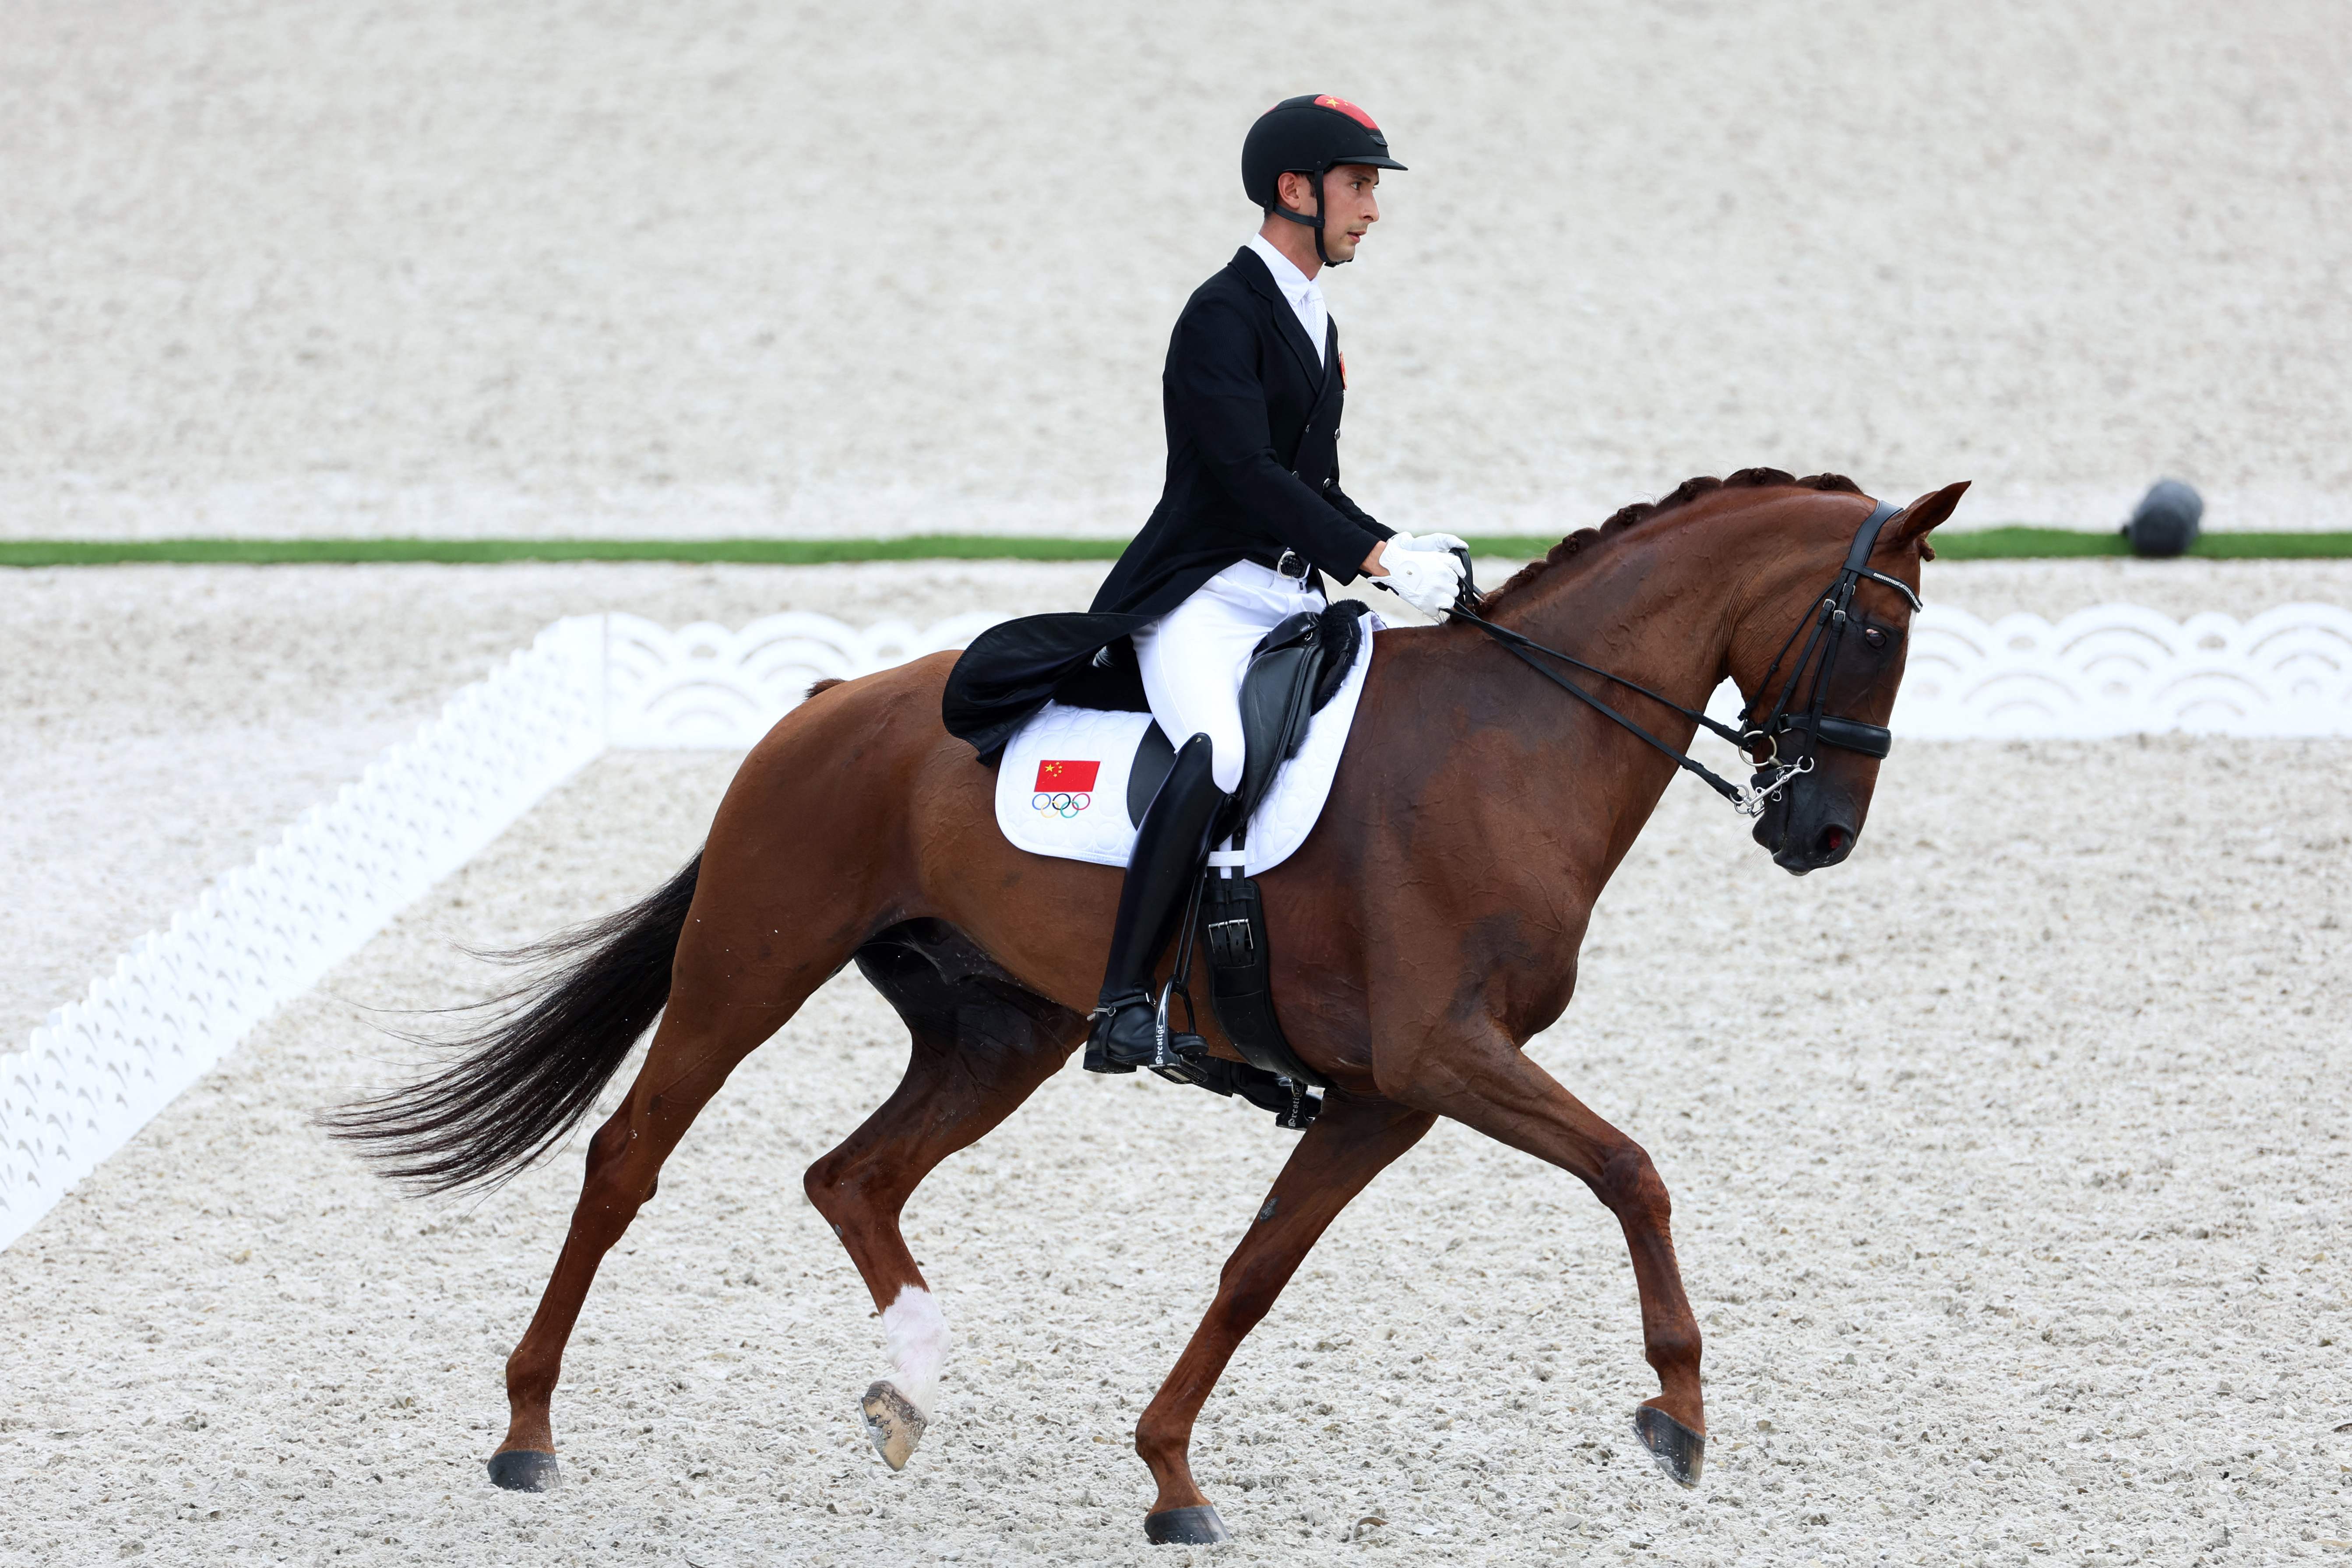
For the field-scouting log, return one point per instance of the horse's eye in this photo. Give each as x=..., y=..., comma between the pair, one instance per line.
x=1874, y=636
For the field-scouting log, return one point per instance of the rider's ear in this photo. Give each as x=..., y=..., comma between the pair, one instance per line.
x=1909, y=527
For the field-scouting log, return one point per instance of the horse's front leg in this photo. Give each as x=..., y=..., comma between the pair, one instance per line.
x=1349, y=1144
x=1488, y=1083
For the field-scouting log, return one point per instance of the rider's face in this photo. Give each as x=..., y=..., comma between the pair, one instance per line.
x=1350, y=206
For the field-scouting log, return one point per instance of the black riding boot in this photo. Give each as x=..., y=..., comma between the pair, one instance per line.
x=1171, y=845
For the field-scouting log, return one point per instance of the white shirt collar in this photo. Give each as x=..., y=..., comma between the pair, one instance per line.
x=1304, y=293
x=1296, y=286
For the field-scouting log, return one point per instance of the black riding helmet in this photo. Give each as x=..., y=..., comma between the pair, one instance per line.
x=1310, y=135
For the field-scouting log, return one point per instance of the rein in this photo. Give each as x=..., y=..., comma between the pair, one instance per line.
x=1773, y=773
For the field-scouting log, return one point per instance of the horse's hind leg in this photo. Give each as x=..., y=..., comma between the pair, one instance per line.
x=1350, y=1142
x=709, y=1026
x=981, y=1046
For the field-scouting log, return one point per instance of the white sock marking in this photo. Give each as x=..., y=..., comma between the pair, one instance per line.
x=917, y=1334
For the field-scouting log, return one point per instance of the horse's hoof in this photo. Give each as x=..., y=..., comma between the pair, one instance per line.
x=1680, y=1452
x=524, y=1470
x=893, y=1424
x=1198, y=1526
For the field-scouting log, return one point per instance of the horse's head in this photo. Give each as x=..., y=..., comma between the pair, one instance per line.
x=1818, y=681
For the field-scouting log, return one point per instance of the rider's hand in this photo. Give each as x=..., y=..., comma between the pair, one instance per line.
x=1424, y=574
x=1428, y=541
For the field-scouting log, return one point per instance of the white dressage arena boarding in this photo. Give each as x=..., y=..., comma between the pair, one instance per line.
x=182, y=998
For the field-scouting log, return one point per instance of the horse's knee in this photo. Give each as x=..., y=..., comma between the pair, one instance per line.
x=1246, y=1292
x=1630, y=1184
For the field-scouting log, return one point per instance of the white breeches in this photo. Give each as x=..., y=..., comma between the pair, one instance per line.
x=1193, y=657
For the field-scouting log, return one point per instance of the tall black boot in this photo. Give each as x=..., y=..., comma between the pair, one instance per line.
x=1171, y=845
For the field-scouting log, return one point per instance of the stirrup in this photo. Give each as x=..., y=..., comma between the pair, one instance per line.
x=1179, y=1058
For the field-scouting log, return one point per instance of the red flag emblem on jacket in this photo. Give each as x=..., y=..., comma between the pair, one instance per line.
x=1070, y=778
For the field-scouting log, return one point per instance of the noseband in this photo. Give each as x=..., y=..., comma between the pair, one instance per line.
x=1797, y=711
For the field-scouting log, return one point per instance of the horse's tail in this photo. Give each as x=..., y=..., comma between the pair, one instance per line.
x=537, y=1062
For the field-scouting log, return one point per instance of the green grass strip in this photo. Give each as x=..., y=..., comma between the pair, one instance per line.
x=479, y=551
x=2015, y=544
x=2031, y=543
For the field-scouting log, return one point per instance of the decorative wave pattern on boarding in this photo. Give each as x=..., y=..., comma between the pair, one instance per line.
x=2119, y=670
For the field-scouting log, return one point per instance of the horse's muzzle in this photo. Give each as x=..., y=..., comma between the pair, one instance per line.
x=1809, y=833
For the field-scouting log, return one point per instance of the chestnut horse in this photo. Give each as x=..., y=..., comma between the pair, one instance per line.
x=1427, y=928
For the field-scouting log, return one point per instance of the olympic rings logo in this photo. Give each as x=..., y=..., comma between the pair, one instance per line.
x=1060, y=804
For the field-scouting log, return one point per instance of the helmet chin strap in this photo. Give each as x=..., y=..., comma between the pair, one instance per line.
x=1314, y=222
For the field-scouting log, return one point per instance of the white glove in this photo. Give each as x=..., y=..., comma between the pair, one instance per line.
x=1437, y=541
x=1422, y=572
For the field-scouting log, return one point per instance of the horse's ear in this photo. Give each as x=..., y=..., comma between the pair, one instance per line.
x=1909, y=527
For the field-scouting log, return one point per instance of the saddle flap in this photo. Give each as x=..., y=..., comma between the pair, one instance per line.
x=1284, y=687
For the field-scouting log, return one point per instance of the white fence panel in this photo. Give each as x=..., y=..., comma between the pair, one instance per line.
x=2119, y=670
x=181, y=999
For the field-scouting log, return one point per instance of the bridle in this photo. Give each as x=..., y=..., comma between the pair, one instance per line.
x=1799, y=711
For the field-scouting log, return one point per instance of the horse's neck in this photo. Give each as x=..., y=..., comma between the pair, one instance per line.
x=1655, y=611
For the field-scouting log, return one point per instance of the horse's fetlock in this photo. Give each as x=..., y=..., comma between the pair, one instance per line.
x=1159, y=1440
x=1674, y=1350
x=531, y=1377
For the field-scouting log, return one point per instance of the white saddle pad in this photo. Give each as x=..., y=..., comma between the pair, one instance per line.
x=1061, y=788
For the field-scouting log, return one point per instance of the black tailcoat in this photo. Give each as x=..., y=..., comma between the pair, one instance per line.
x=1253, y=420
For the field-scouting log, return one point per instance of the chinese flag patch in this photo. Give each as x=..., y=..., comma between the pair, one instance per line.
x=1069, y=778
x=1349, y=110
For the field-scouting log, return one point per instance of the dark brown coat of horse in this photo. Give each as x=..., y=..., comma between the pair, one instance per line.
x=1428, y=927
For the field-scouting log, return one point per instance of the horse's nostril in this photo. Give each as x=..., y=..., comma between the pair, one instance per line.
x=1835, y=839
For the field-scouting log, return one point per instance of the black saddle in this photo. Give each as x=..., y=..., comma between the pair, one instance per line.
x=1293, y=672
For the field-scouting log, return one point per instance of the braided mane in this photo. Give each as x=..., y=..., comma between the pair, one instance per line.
x=1643, y=512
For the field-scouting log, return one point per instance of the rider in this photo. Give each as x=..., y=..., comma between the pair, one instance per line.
x=1251, y=515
